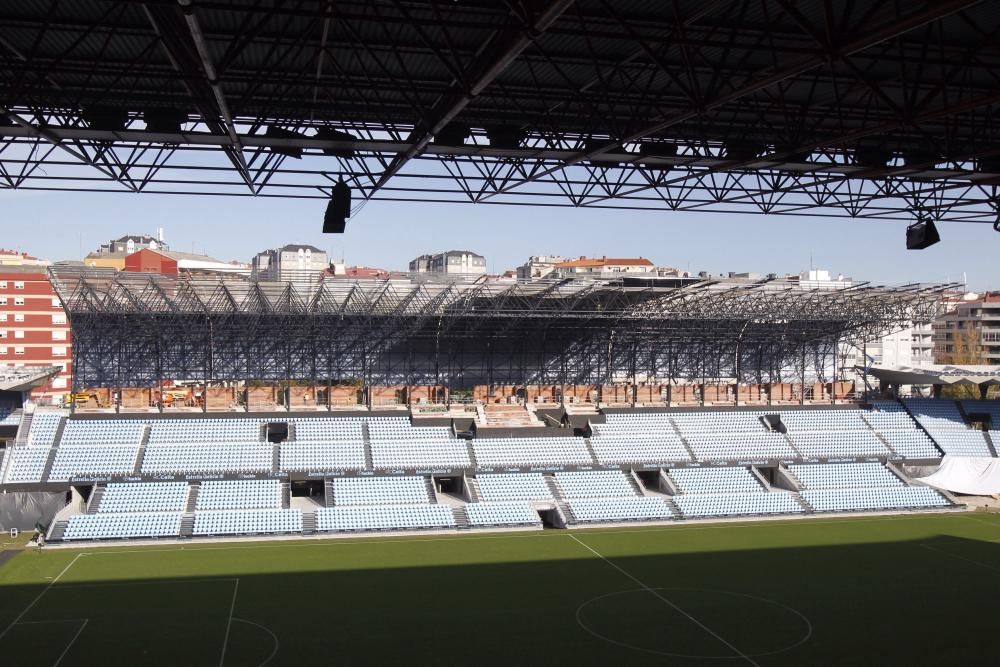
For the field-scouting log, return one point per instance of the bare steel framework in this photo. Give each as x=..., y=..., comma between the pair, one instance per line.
x=869, y=109
x=137, y=330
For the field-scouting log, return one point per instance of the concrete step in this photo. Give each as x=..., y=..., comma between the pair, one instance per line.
x=880, y=437
x=48, y=464
x=683, y=440
x=369, y=465
x=805, y=506
x=141, y=454
x=57, y=438
x=94, y=506
x=187, y=524
x=474, y=493
x=636, y=483
x=554, y=487
x=192, y=501
x=990, y=443
x=567, y=513
x=57, y=531
x=791, y=444
x=461, y=518
x=24, y=428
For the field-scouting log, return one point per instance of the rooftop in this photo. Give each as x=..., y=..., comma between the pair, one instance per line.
x=604, y=261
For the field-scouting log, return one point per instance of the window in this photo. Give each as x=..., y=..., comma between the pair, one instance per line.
x=18, y=333
x=3, y=349
x=18, y=284
x=18, y=300
x=3, y=317
x=59, y=334
x=18, y=317
x=55, y=302
x=3, y=333
x=19, y=350
x=3, y=284
x=59, y=351
x=58, y=318
x=59, y=383
x=3, y=301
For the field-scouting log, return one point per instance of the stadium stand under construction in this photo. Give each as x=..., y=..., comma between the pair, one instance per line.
x=338, y=407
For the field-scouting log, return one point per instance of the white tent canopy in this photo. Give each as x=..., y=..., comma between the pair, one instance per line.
x=971, y=475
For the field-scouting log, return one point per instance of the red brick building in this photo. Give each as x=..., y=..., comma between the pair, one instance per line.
x=151, y=261
x=34, y=330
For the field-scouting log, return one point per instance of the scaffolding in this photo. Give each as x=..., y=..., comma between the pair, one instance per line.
x=139, y=330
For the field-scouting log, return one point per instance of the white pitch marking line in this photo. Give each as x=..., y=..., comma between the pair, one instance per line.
x=39, y=596
x=967, y=560
x=229, y=623
x=71, y=642
x=277, y=644
x=978, y=520
x=676, y=608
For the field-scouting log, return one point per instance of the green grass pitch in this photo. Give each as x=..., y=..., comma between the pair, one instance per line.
x=902, y=590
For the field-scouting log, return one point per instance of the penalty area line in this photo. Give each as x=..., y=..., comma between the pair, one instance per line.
x=229, y=622
x=667, y=601
x=45, y=590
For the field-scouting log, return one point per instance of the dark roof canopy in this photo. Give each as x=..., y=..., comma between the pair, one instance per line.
x=869, y=108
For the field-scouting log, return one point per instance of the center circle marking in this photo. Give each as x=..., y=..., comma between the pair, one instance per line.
x=799, y=615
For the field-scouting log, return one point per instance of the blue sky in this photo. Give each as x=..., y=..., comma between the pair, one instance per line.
x=60, y=225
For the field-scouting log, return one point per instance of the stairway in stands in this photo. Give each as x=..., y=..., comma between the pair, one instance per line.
x=53, y=451
x=680, y=436
x=990, y=443
x=308, y=523
x=791, y=444
x=94, y=505
x=550, y=480
x=276, y=458
x=880, y=437
x=57, y=532
x=366, y=438
x=328, y=493
x=192, y=500
x=805, y=506
x=567, y=513
x=286, y=495
x=461, y=518
x=590, y=450
x=141, y=454
x=474, y=493
x=795, y=496
x=431, y=491
x=187, y=525
x=636, y=483
x=24, y=428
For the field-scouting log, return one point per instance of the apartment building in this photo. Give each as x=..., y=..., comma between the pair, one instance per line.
x=34, y=330
x=969, y=332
